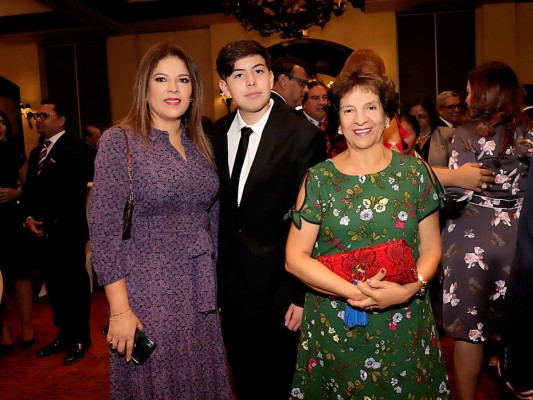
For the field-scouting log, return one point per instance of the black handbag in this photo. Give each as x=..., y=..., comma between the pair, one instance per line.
x=128, y=208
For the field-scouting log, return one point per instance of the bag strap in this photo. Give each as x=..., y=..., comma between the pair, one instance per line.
x=130, y=167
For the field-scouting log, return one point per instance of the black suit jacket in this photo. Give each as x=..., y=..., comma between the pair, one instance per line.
x=252, y=237
x=57, y=195
x=278, y=99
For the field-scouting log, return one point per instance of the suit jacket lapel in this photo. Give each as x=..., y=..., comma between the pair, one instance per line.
x=269, y=138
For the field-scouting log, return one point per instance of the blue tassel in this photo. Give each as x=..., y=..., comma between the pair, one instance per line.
x=354, y=317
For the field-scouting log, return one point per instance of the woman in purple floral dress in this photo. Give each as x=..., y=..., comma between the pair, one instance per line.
x=478, y=242
x=162, y=279
x=365, y=196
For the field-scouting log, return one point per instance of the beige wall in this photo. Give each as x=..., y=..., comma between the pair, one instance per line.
x=125, y=52
x=21, y=66
x=503, y=32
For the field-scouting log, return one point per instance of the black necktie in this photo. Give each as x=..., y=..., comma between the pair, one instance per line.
x=239, y=158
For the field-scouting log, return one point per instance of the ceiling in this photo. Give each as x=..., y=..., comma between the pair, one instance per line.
x=67, y=20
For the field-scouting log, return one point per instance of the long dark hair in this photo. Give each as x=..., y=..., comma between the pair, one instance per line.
x=9, y=131
x=496, y=98
x=139, y=117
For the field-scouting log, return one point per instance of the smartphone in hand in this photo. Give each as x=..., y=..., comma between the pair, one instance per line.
x=142, y=347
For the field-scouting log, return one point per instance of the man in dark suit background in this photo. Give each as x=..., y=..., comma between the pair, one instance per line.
x=54, y=202
x=316, y=103
x=290, y=81
x=261, y=303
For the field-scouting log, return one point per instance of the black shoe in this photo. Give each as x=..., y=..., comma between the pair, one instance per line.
x=5, y=349
x=55, y=347
x=26, y=344
x=76, y=352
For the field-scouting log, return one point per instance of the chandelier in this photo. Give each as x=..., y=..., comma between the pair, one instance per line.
x=288, y=17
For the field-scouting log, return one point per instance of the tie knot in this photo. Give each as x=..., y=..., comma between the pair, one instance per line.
x=47, y=143
x=246, y=131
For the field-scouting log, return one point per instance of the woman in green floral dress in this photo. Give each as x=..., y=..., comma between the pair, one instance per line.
x=365, y=196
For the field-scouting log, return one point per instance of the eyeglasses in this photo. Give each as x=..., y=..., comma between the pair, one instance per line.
x=42, y=115
x=421, y=116
x=453, y=106
x=301, y=81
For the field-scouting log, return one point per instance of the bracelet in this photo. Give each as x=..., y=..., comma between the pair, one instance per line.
x=125, y=311
x=424, y=284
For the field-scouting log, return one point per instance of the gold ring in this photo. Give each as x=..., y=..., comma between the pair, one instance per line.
x=483, y=186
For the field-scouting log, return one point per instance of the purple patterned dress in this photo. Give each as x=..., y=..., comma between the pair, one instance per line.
x=168, y=263
x=478, y=243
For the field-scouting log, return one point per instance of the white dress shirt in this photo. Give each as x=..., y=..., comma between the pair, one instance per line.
x=312, y=120
x=234, y=135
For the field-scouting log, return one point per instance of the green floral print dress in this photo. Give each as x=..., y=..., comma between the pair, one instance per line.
x=398, y=354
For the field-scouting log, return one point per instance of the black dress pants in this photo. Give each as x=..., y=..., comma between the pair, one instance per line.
x=63, y=263
x=261, y=350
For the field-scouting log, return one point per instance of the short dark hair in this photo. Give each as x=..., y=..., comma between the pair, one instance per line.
x=311, y=85
x=285, y=64
x=363, y=77
x=86, y=131
x=239, y=49
x=59, y=107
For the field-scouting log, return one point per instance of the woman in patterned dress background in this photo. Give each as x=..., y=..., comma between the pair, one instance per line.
x=162, y=279
x=478, y=242
x=365, y=196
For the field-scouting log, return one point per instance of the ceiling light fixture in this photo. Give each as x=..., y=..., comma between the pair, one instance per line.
x=288, y=17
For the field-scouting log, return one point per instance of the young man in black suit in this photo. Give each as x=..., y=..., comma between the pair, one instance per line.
x=54, y=202
x=261, y=303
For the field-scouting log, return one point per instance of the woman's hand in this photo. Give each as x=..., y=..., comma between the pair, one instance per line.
x=384, y=294
x=122, y=332
x=473, y=176
x=7, y=195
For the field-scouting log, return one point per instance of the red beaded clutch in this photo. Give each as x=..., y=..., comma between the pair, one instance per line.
x=355, y=265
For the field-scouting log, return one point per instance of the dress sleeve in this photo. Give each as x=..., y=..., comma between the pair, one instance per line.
x=311, y=209
x=110, y=192
x=462, y=151
x=432, y=194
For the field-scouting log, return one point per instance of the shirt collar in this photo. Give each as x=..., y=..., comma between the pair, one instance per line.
x=314, y=121
x=446, y=122
x=282, y=98
x=259, y=126
x=56, y=137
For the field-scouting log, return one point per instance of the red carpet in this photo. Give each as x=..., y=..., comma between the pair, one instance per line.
x=23, y=376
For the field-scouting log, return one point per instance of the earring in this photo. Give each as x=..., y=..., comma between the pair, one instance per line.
x=340, y=131
x=190, y=100
x=387, y=124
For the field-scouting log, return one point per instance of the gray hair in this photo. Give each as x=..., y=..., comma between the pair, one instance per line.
x=443, y=96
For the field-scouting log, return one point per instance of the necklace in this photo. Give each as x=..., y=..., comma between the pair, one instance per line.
x=424, y=135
